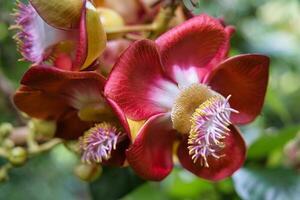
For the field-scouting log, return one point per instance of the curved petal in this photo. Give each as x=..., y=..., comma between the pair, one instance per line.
x=61, y=14
x=234, y=156
x=245, y=78
x=92, y=38
x=45, y=90
x=39, y=104
x=224, y=50
x=120, y=115
x=70, y=127
x=138, y=84
x=191, y=46
x=52, y=79
x=150, y=155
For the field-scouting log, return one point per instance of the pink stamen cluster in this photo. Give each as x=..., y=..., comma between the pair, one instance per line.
x=210, y=124
x=98, y=143
x=25, y=39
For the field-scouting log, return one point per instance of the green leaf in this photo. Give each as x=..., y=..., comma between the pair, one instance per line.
x=277, y=106
x=183, y=184
x=272, y=141
x=180, y=184
x=114, y=183
x=48, y=176
x=267, y=184
x=148, y=191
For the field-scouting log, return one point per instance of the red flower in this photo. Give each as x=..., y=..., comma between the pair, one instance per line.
x=47, y=29
x=188, y=91
x=76, y=102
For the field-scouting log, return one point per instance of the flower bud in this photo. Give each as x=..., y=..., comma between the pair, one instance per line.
x=3, y=175
x=88, y=172
x=17, y=156
x=43, y=128
x=110, y=20
x=5, y=129
x=7, y=143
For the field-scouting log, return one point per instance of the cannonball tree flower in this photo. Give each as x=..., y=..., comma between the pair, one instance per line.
x=49, y=29
x=76, y=102
x=191, y=96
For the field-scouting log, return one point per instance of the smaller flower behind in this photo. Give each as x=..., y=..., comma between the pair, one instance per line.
x=98, y=142
x=189, y=92
x=48, y=29
x=76, y=102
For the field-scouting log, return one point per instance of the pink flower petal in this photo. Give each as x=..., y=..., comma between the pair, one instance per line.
x=138, y=84
x=245, y=78
x=150, y=155
x=193, y=45
x=233, y=159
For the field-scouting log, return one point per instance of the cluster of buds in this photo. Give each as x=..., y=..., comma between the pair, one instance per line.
x=101, y=67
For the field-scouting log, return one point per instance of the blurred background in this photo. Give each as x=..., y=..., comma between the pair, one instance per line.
x=271, y=172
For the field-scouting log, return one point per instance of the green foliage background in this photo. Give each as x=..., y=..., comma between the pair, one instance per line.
x=268, y=27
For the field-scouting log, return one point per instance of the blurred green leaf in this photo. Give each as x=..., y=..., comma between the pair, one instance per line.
x=47, y=177
x=148, y=191
x=114, y=183
x=182, y=184
x=3, y=31
x=267, y=184
x=277, y=106
x=263, y=146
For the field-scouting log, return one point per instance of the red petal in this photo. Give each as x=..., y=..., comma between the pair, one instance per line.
x=39, y=104
x=234, y=156
x=121, y=116
x=224, y=50
x=245, y=77
x=150, y=156
x=193, y=44
x=135, y=75
x=52, y=79
x=70, y=127
x=43, y=94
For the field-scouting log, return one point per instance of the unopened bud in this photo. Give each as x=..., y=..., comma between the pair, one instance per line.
x=110, y=20
x=43, y=128
x=8, y=143
x=3, y=175
x=87, y=172
x=5, y=129
x=17, y=156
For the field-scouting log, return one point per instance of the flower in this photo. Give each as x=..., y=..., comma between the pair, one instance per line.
x=51, y=28
x=190, y=95
x=76, y=102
